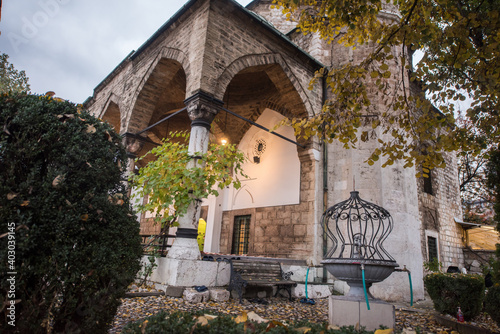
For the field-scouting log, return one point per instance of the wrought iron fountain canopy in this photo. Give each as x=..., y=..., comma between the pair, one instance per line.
x=355, y=231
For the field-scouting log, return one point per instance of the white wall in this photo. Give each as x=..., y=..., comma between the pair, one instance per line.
x=276, y=179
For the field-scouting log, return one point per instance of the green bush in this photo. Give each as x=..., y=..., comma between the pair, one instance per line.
x=492, y=303
x=450, y=291
x=65, y=218
x=185, y=322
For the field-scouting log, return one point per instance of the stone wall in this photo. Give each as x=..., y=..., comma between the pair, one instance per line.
x=474, y=260
x=438, y=212
x=286, y=231
x=149, y=227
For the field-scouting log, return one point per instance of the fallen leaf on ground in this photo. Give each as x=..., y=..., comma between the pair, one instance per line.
x=255, y=317
x=241, y=318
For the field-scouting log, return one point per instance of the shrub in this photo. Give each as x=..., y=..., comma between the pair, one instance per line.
x=65, y=217
x=450, y=291
x=185, y=322
x=492, y=303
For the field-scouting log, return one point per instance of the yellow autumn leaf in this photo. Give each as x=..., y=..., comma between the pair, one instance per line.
x=25, y=203
x=143, y=326
x=303, y=329
x=384, y=331
x=241, y=318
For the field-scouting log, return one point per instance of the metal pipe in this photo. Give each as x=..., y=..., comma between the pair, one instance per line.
x=161, y=121
x=409, y=278
x=325, y=180
x=262, y=127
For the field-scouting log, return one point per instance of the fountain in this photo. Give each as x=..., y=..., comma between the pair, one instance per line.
x=355, y=231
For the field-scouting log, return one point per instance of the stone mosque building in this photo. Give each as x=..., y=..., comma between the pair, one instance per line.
x=227, y=72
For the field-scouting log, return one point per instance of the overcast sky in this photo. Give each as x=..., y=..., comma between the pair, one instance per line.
x=69, y=46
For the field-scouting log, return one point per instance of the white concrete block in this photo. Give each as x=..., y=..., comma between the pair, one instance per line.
x=346, y=312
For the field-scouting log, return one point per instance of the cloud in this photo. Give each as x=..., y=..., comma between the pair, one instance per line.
x=70, y=46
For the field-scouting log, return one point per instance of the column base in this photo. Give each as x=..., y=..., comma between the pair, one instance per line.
x=188, y=273
x=184, y=249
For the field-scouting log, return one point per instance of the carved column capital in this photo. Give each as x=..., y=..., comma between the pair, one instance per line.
x=202, y=108
x=133, y=143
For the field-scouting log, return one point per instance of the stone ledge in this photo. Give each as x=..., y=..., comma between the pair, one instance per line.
x=460, y=327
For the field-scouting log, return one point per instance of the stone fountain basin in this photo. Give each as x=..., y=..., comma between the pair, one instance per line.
x=349, y=270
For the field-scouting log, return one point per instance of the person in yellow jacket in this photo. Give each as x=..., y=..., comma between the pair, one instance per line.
x=202, y=227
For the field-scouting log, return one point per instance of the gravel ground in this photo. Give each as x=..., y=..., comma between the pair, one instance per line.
x=408, y=318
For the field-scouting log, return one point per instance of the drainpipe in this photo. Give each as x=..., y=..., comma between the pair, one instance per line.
x=325, y=178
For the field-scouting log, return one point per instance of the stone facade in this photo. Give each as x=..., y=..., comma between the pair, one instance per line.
x=251, y=61
x=439, y=208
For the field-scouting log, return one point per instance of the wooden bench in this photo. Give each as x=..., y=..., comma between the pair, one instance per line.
x=258, y=273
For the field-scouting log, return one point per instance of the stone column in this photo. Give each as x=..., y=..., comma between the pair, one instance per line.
x=201, y=109
x=133, y=145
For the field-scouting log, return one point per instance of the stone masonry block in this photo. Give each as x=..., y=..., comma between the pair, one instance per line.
x=193, y=296
x=219, y=295
x=299, y=230
x=174, y=291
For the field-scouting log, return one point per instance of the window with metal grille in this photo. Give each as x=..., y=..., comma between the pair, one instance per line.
x=432, y=248
x=240, y=234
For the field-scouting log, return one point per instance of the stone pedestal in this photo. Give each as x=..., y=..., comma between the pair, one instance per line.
x=343, y=311
x=187, y=273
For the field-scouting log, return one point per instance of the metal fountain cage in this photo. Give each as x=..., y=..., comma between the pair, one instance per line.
x=356, y=230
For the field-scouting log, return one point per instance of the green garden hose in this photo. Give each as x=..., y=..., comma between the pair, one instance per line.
x=411, y=289
x=307, y=275
x=364, y=286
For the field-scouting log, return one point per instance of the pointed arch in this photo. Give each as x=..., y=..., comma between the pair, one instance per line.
x=248, y=61
x=111, y=112
x=169, y=66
